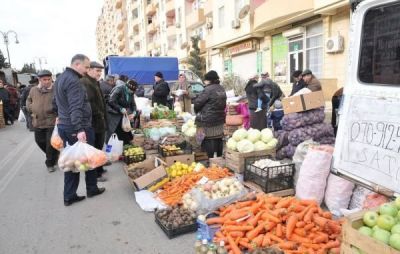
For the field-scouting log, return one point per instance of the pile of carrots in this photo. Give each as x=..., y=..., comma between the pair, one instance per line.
x=173, y=191
x=292, y=225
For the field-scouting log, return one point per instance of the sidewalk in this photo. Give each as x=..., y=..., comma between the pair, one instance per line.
x=34, y=220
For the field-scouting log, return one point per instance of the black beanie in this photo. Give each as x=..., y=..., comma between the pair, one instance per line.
x=211, y=76
x=159, y=74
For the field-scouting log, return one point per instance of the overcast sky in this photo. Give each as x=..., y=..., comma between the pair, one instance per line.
x=55, y=29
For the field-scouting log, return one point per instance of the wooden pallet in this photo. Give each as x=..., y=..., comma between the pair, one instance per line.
x=236, y=161
x=351, y=237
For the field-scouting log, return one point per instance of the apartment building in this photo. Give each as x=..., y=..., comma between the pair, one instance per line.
x=239, y=37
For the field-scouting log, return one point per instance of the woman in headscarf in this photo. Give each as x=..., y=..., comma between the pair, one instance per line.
x=209, y=107
x=122, y=102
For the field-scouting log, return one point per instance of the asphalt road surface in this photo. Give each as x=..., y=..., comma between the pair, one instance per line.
x=33, y=218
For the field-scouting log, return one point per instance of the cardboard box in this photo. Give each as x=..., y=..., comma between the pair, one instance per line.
x=185, y=158
x=156, y=173
x=303, y=102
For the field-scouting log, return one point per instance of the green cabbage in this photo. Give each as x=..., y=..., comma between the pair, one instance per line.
x=259, y=146
x=253, y=135
x=239, y=134
x=266, y=135
x=245, y=146
x=272, y=144
x=231, y=144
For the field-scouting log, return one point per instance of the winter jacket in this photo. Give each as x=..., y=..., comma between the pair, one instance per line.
x=24, y=95
x=272, y=89
x=184, y=100
x=210, y=105
x=14, y=95
x=106, y=90
x=254, y=92
x=314, y=84
x=160, y=93
x=297, y=86
x=71, y=101
x=276, y=117
x=97, y=103
x=39, y=105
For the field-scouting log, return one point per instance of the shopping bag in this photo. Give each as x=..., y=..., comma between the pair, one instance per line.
x=126, y=123
x=21, y=116
x=55, y=140
x=81, y=157
x=115, y=147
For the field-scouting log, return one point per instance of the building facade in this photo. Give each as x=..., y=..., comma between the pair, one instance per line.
x=237, y=37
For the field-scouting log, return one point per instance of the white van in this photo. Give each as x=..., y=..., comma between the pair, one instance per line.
x=368, y=142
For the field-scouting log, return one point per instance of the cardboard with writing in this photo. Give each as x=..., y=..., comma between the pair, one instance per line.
x=303, y=102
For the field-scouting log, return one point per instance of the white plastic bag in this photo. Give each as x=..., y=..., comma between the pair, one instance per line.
x=81, y=157
x=338, y=194
x=126, y=123
x=55, y=140
x=313, y=175
x=116, y=147
x=21, y=117
x=299, y=155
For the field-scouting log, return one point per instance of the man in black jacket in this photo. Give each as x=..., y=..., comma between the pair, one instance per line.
x=106, y=86
x=298, y=82
x=98, y=106
x=160, y=90
x=24, y=95
x=271, y=88
x=254, y=92
x=74, y=123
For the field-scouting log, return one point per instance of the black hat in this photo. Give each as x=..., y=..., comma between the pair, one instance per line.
x=159, y=74
x=297, y=73
x=306, y=72
x=34, y=80
x=211, y=76
x=95, y=64
x=44, y=73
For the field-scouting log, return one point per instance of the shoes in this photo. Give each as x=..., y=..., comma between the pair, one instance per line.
x=74, y=200
x=101, y=179
x=97, y=192
x=258, y=110
x=51, y=169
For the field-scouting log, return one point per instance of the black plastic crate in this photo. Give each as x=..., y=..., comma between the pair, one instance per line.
x=134, y=158
x=171, y=233
x=270, y=179
x=185, y=148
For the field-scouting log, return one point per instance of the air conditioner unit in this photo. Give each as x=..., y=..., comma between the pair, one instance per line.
x=209, y=25
x=178, y=25
x=334, y=44
x=235, y=23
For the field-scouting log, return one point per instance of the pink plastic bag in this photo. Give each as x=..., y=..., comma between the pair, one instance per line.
x=244, y=111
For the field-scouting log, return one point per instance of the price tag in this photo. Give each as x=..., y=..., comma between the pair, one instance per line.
x=203, y=180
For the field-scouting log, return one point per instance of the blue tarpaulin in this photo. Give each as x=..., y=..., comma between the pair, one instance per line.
x=142, y=69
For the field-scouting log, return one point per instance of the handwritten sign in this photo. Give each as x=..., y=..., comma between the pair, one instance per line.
x=370, y=147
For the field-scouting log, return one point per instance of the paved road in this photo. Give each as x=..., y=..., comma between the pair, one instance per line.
x=33, y=218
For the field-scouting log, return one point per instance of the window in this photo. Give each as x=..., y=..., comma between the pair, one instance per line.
x=314, y=48
x=221, y=17
x=238, y=6
x=379, y=61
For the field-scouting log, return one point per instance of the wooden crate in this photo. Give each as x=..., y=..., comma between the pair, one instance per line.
x=2, y=121
x=236, y=161
x=219, y=161
x=351, y=237
x=200, y=156
x=230, y=129
x=256, y=188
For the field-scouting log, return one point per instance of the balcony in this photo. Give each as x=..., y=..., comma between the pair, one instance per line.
x=170, y=8
x=150, y=9
x=195, y=18
x=208, y=7
x=118, y=4
x=276, y=13
x=171, y=31
x=328, y=7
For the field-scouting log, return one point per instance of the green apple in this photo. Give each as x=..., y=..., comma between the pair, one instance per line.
x=381, y=235
x=365, y=230
x=370, y=218
x=389, y=209
x=397, y=203
x=394, y=241
x=395, y=229
x=386, y=222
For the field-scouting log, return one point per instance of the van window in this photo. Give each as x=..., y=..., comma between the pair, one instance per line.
x=380, y=46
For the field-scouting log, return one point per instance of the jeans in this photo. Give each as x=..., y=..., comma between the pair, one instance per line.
x=71, y=179
x=99, y=143
x=42, y=139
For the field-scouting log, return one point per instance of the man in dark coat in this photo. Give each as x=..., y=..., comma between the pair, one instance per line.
x=160, y=90
x=14, y=100
x=98, y=106
x=254, y=92
x=106, y=86
x=298, y=82
x=311, y=81
x=271, y=88
x=5, y=98
x=24, y=96
x=74, y=123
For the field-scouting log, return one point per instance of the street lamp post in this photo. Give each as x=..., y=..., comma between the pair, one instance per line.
x=7, y=41
x=40, y=61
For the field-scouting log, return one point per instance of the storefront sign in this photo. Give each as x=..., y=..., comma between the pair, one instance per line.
x=228, y=66
x=241, y=48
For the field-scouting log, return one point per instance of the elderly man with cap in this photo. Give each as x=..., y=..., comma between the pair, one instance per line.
x=98, y=105
x=39, y=105
x=24, y=95
x=75, y=123
x=160, y=90
x=311, y=81
x=106, y=86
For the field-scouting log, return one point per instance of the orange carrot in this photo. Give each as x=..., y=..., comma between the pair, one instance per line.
x=287, y=245
x=256, y=231
x=236, y=234
x=300, y=231
x=268, y=216
x=253, y=220
x=237, y=214
x=309, y=226
x=275, y=238
x=309, y=214
x=215, y=220
x=279, y=230
x=266, y=241
x=334, y=250
x=238, y=228
x=321, y=238
x=333, y=227
x=300, y=224
x=303, y=213
x=308, y=202
x=258, y=240
x=332, y=244
x=327, y=215
x=284, y=202
x=269, y=225
x=299, y=239
x=246, y=245
x=232, y=243
x=320, y=221
x=291, y=225
x=313, y=246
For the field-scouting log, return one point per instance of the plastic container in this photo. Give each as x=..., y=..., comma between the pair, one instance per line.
x=270, y=179
x=185, y=148
x=134, y=158
x=207, y=231
x=171, y=233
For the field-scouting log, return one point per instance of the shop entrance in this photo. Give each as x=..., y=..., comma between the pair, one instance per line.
x=296, y=53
